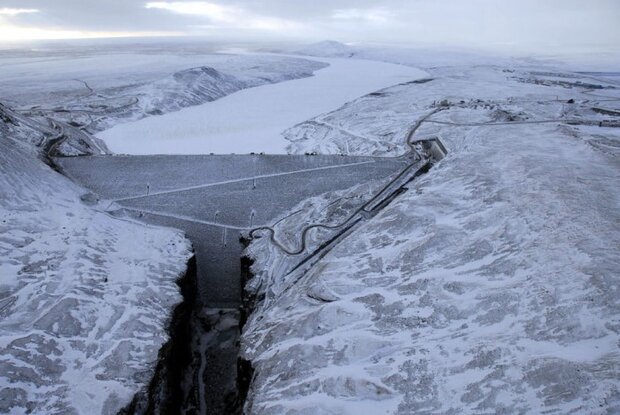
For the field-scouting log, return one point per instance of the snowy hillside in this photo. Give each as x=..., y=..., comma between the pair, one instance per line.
x=416, y=57
x=327, y=48
x=252, y=120
x=376, y=123
x=437, y=56
x=491, y=286
x=194, y=86
x=85, y=299
x=95, y=90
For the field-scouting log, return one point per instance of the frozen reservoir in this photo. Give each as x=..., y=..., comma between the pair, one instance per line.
x=252, y=120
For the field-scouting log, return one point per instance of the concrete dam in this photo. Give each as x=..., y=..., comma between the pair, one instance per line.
x=215, y=200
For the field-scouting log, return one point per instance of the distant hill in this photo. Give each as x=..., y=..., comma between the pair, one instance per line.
x=327, y=48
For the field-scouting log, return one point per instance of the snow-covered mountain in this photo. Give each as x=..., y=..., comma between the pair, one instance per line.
x=189, y=87
x=194, y=86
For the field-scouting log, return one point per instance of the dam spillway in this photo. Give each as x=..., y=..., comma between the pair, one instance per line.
x=214, y=198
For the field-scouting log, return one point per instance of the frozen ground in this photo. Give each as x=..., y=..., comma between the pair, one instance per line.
x=252, y=120
x=85, y=299
x=490, y=287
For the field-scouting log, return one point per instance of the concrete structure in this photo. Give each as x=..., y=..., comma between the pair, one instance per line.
x=215, y=198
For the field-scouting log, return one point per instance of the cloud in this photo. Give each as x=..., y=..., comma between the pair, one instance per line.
x=224, y=16
x=376, y=15
x=200, y=8
x=13, y=33
x=8, y=11
x=529, y=25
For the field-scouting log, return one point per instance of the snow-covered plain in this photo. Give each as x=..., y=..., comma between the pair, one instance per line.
x=252, y=120
x=490, y=287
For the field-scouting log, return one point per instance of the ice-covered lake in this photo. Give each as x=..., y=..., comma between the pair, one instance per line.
x=252, y=120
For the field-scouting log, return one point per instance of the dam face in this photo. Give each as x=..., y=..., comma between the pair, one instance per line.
x=216, y=198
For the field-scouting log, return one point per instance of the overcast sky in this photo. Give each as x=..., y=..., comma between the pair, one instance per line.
x=525, y=25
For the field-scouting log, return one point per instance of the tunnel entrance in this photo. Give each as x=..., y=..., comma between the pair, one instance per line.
x=215, y=199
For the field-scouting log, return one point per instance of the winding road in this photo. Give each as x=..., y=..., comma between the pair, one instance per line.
x=420, y=163
x=417, y=163
x=364, y=209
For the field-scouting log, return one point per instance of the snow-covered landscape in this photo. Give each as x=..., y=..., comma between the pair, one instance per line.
x=222, y=227
x=252, y=120
x=86, y=298
x=491, y=286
